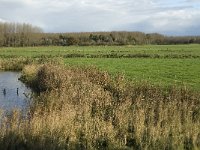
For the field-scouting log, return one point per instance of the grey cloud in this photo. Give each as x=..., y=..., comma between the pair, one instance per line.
x=192, y=1
x=169, y=17
x=10, y=6
x=168, y=26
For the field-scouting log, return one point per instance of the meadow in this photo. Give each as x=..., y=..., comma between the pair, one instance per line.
x=152, y=51
x=125, y=101
x=158, y=64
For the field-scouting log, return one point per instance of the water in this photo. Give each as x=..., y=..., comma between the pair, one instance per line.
x=13, y=93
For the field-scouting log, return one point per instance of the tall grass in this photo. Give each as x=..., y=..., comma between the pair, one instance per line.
x=84, y=108
x=18, y=63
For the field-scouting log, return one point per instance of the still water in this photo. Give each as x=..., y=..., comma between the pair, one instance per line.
x=13, y=93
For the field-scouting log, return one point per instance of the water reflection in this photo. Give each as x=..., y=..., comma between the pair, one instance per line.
x=13, y=93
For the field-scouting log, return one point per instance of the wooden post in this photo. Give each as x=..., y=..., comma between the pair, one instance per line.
x=4, y=92
x=17, y=91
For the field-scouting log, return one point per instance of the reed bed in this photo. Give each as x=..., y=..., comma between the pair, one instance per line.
x=84, y=108
x=18, y=63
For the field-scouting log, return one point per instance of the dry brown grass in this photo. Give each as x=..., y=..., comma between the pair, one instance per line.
x=84, y=108
x=18, y=63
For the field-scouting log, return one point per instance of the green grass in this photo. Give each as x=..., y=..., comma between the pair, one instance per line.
x=176, y=64
x=159, y=71
x=161, y=50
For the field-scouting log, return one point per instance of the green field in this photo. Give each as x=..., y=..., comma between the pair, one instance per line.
x=170, y=51
x=160, y=64
x=159, y=71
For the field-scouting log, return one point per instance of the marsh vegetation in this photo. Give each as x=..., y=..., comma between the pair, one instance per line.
x=117, y=103
x=85, y=108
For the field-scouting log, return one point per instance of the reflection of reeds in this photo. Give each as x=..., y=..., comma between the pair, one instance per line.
x=87, y=109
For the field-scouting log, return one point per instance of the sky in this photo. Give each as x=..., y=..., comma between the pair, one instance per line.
x=169, y=17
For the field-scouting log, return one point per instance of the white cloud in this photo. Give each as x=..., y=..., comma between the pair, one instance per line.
x=2, y=20
x=172, y=16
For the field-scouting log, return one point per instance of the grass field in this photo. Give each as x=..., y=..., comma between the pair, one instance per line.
x=169, y=51
x=160, y=64
x=159, y=71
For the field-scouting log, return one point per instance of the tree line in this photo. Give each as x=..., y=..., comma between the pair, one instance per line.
x=20, y=35
x=16, y=34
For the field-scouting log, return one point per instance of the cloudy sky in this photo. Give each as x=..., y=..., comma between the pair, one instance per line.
x=171, y=17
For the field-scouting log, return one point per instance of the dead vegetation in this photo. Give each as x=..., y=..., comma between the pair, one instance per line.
x=84, y=108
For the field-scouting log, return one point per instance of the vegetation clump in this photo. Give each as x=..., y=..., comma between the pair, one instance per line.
x=18, y=63
x=84, y=108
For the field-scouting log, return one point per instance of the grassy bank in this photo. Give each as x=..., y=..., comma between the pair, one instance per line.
x=84, y=108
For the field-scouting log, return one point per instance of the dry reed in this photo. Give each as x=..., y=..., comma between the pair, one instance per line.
x=84, y=108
